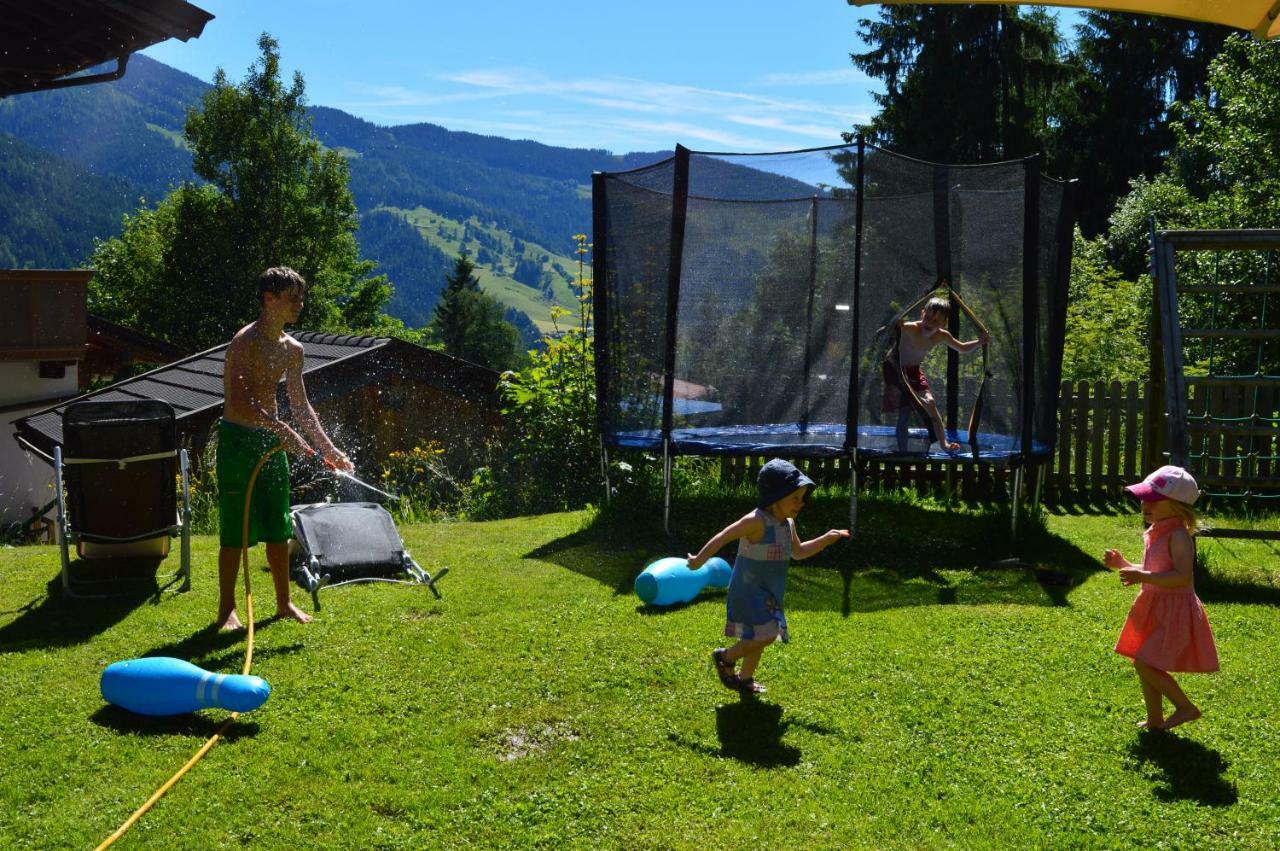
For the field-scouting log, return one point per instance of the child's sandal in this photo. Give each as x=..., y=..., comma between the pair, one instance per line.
x=749, y=687
x=724, y=669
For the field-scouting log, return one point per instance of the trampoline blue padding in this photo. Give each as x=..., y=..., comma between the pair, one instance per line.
x=824, y=440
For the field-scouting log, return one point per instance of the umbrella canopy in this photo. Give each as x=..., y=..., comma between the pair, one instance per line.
x=1255, y=16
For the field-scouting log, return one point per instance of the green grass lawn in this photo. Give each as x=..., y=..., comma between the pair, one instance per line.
x=927, y=699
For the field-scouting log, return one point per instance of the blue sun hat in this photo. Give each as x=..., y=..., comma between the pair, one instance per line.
x=777, y=479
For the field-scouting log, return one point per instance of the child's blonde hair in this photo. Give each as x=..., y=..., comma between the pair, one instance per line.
x=937, y=305
x=1186, y=514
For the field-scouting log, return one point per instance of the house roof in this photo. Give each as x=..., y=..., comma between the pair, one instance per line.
x=109, y=335
x=193, y=385
x=43, y=42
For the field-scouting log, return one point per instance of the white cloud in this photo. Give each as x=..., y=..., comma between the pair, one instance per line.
x=840, y=77
x=817, y=131
x=610, y=112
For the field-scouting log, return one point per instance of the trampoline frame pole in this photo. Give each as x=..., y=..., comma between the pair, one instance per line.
x=604, y=469
x=666, y=485
x=853, y=490
x=1017, y=501
x=1035, y=500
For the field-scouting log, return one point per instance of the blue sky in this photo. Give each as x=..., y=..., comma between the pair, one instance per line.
x=748, y=75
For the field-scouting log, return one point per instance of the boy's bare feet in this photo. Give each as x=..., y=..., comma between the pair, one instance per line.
x=1180, y=716
x=228, y=623
x=289, y=610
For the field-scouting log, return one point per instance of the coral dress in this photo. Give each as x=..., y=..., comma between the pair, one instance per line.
x=1167, y=628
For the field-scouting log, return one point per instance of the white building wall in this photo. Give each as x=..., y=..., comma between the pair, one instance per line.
x=26, y=481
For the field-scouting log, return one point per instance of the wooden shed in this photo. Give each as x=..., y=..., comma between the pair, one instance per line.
x=374, y=395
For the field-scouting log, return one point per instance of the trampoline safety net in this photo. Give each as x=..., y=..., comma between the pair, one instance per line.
x=742, y=300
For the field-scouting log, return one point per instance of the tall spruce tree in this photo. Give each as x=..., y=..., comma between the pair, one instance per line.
x=187, y=271
x=962, y=83
x=470, y=323
x=1114, y=116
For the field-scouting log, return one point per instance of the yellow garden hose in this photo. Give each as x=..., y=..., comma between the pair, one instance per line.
x=248, y=661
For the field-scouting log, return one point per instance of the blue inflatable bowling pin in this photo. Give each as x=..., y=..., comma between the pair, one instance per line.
x=160, y=685
x=669, y=580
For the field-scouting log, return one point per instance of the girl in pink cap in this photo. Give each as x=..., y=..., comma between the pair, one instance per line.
x=1166, y=629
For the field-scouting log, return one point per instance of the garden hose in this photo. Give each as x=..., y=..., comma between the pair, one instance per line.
x=248, y=661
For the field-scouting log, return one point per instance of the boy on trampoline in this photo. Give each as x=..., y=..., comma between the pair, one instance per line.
x=905, y=386
x=259, y=354
x=767, y=541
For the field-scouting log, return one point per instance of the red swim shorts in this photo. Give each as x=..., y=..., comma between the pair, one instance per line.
x=896, y=396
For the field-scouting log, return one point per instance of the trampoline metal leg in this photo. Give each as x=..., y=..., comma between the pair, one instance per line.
x=1017, y=502
x=1035, y=499
x=604, y=469
x=666, y=485
x=853, y=495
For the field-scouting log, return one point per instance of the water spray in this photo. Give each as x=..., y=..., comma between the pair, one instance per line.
x=365, y=485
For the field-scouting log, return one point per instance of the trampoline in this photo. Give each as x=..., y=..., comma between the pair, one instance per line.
x=823, y=440
x=745, y=305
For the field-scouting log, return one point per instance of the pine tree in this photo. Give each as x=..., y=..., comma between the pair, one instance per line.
x=1114, y=117
x=470, y=323
x=962, y=84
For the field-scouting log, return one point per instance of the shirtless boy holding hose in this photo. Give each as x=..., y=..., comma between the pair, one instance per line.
x=259, y=354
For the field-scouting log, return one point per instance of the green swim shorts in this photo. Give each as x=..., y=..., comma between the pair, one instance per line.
x=239, y=450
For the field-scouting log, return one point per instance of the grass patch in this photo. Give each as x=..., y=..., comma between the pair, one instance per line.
x=931, y=697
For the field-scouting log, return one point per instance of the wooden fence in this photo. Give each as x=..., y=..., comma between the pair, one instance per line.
x=1099, y=450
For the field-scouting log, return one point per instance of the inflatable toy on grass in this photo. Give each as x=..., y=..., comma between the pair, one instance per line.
x=160, y=685
x=669, y=580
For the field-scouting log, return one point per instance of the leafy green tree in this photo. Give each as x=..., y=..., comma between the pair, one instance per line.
x=550, y=456
x=1108, y=320
x=471, y=324
x=270, y=195
x=962, y=83
x=1227, y=148
x=1220, y=174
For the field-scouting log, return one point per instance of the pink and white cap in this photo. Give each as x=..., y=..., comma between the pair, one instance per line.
x=1167, y=483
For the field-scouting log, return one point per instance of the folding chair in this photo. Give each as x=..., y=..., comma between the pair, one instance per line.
x=344, y=542
x=114, y=480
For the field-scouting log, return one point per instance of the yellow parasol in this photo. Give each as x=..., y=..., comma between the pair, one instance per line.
x=1254, y=16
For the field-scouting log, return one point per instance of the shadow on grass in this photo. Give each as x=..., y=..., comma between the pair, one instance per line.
x=1253, y=585
x=219, y=651
x=751, y=731
x=188, y=724
x=56, y=621
x=1192, y=772
x=904, y=554
x=1094, y=507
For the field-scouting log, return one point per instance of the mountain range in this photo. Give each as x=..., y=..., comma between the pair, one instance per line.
x=74, y=162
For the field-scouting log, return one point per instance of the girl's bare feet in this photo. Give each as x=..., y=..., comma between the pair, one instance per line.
x=1180, y=716
x=289, y=610
x=228, y=623
x=1151, y=724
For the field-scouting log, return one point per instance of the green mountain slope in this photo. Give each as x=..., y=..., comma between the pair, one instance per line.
x=518, y=201
x=51, y=210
